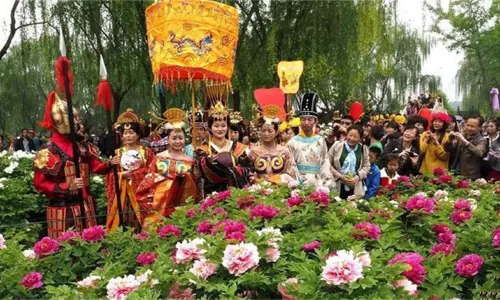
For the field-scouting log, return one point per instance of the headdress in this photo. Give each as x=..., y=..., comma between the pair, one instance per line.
x=128, y=120
x=283, y=127
x=441, y=116
x=176, y=119
x=308, y=105
x=56, y=114
x=235, y=117
x=295, y=122
x=216, y=98
x=272, y=104
x=400, y=119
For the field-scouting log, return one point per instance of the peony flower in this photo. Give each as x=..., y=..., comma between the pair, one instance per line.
x=240, y=258
x=233, y=230
x=441, y=195
x=445, y=178
x=311, y=247
x=144, y=278
x=462, y=204
x=469, y=265
x=364, y=258
x=415, y=272
x=459, y=216
x=320, y=197
x=146, y=258
x=221, y=196
x=263, y=211
x=46, y=246
x=93, y=234
x=366, y=230
x=205, y=227
x=177, y=293
x=283, y=288
x=191, y=213
x=446, y=249
x=272, y=254
x=294, y=201
x=118, y=288
x=267, y=192
x=420, y=203
x=481, y=181
x=189, y=250
x=439, y=171
x=219, y=211
x=407, y=285
x=237, y=236
x=169, y=230
x=475, y=193
x=68, y=236
x=29, y=254
x=2, y=242
x=463, y=184
x=203, y=269
x=89, y=281
x=32, y=281
x=495, y=240
x=341, y=268
x=403, y=178
x=209, y=202
x=274, y=235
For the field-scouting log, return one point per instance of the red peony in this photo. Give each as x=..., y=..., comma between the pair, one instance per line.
x=366, y=230
x=403, y=179
x=168, y=230
x=46, y=246
x=469, y=265
x=320, y=198
x=146, y=258
x=463, y=184
x=93, y=234
x=460, y=216
x=439, y=172
x=205, y=227
x=420, y=203
x=311, y=247
x=32, y=281
x=445, y=178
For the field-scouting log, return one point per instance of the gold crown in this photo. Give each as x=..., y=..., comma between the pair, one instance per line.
x=175, y=115
x=218, y=111
x=270, y=111
x=235, y=117
x=127, y=117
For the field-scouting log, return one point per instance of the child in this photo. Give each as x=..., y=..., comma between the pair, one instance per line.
x=390, y=172
x=372, y=181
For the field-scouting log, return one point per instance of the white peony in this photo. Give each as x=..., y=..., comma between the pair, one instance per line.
x=274, y=235
x=240, y=258
x=118, y=288
x=29, y=254
x=475, y=193
x=12, y=166
x=189, y=250
x=97, y=179
x=89, y=282
x=407, y=285
x=2, y=242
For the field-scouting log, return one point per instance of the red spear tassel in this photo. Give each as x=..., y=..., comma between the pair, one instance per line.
x=104, y=95
x=61, y=61
x=47, y=119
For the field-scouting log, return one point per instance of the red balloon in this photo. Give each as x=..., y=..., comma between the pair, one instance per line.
x=356, y=110
x=427, y=114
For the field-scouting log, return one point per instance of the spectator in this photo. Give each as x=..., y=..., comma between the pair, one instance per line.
x=390, y=172
x=432, y=143
x=346, y=121
x=350, y=163
x=35, y=139
x=392, y=132
x=407, y=149
x=470, y=149
x=493, y=157
x=372, y=181
x=419, y=122
x=453, y=126
x=376, y=134
x=24, y=142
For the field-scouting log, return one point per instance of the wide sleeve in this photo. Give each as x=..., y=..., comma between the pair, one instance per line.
x=97, y=166
x=47, y=180
x=365, y=164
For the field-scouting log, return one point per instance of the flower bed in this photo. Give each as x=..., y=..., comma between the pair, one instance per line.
x=270, y=242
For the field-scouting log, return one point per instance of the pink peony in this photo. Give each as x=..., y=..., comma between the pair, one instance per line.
x=203, y=269
x=364, y=258
x=341, y=268
x=403, y=179
x=446, y=249
x=46, y=246
x=469, y=265
x=209, y=202
x=189, y=250
x=459, y=216
x=237, y=236
x=320, y=197
x=366, y=230
x=415, y=272
x=32, y=281
x=205, y=227
x=440, y=228
x=407, y=285
x=311, y=247
x=93, y=234
x=462, y=204
x=439, y=171
x=495, y=241
x=168, y=230
x=294, y=201
x=240, y=258
x=263, y=211
x=246, y=202
x=146, y=258
x=223, y=195
x=119, y=287
x=219, y=211
x=445, y=178
x=68, y=236
x=463, y=184
x=272, y=254
x=420, y=203
x=446, y=238
x=230, y=226
x=191, y=213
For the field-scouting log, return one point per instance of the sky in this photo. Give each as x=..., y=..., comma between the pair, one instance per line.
x=441, y=62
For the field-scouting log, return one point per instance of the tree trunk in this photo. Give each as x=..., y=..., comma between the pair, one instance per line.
x=236, y=100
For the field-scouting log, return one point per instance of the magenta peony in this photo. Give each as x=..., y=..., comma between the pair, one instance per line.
x=416, y=272
x=191, y=213
x=495, y=240
x=68, y=236
x=469, y=265
x=445, y=178
x=93, y=234
x=440, y=228
x=32, y=281
x=169, y=230
x=205, y=227
x=446, y=249
x=219, y=211
x=146, y=258
x=209, y=202
x=341, y=268
x=46, y=246
x=404, y=179
x=223, y=195
x=459, y=216
x=463, y=184
x=320, y=197
x=263, y=211
x=420, y=203
x=366, y=230
x=294, y=201
x=311, y=247
x=439, y=171
x=462, y=204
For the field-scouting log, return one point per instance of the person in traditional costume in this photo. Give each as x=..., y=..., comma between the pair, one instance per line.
x=170, y=180
x=135, y=160
x=309, y=150
x=221, y=163
x=272, y=162
x=236, y=130
x=54, y=170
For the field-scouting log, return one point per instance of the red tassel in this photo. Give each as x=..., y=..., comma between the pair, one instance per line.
x=61, y=61
x=104, y=95
x=47, y=119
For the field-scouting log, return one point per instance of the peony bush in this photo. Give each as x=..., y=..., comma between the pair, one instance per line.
x=423, y=237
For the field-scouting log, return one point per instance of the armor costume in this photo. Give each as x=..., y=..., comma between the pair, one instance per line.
x=54, y=171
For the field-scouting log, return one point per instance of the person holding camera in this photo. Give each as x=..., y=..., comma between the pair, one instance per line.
x=432, y=144
x=407, y=149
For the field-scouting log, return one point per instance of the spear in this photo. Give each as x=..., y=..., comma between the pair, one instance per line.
x=64, y=79
x=105, y=99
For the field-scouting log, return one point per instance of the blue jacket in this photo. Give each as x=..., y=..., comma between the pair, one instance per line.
x=372, y=181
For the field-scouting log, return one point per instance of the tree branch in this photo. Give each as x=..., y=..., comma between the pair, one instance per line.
x=13, y=29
